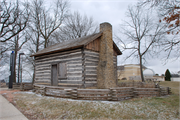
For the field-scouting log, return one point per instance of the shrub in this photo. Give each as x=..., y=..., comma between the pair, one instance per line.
x=167, y=75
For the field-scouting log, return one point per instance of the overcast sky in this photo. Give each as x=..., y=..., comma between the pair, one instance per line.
x=113, y=11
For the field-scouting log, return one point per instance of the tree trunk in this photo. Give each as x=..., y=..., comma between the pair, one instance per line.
x=141, y=69
x=45, y=44
x=37, y=44
x=33, y=76
x=16, y=52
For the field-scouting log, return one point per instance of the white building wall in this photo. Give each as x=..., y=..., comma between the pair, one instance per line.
x=175, y=79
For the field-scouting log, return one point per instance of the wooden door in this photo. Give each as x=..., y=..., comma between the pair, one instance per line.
x=54, y=78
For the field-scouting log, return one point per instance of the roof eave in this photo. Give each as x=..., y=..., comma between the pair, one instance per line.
x=117, y=49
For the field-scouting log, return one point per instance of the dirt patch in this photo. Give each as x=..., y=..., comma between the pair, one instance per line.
x=8, y=94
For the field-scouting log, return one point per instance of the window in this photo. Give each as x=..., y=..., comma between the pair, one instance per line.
x=62, y=70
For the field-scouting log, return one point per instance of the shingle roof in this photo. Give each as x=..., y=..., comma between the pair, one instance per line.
x=72, y=44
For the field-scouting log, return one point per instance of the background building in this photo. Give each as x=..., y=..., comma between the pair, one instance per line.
x=132, y=72
x=126, y=71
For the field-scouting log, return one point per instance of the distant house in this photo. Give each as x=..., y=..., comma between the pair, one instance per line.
x=82, y=62
x=175, y=77
x=126, y=72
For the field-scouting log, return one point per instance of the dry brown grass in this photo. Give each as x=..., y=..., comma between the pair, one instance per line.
x=42, y=107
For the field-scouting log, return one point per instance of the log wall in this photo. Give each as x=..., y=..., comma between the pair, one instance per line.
x=73, y=60
x=91, y=59
x=81, y=68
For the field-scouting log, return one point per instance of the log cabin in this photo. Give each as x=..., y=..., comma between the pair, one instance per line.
x=83, y=62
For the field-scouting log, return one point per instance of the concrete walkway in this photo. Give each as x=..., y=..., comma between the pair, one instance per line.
x=8, y=111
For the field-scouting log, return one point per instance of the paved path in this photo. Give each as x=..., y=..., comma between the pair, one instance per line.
x=8, y=111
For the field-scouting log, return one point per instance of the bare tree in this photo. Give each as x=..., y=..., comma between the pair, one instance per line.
x=75, y=26
x=13, y=20
x=50, y=23
x=140, y=35
x=16, y=45
x=33, y=32
x=44, y=21
x=169, y=11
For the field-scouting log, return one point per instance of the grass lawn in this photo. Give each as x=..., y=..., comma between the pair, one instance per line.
x=42, y=107
x=175, y=86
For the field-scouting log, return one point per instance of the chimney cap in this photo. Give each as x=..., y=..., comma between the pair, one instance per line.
x=105, y=24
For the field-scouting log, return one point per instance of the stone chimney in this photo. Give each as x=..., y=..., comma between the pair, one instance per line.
x=105, y=71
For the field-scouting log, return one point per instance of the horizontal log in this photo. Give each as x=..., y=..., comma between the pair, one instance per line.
x=58, y=54
x=42, y=66
x=74, y=71
x=122, y=91
x=91, y=60
x=58, y=95
x=71, y=82
x=93, y=90
x=122, y=96
x=41, y=78
x=91, y=64
x=74, y=78
x=87, y=61
x=90, y=79
x=74, y=74
x=90, y=85
x=91, y=72
x=59, y=60
x=42, y=75
x=39, y=81
x=93, y=93
x=43, y=71
x=146, y=89
x=74, y=66
x=95, y=97
x=147, y=94
x=91, y=68
x=91, y=82
x=61, y=88
x=43, y=83
x=55, y=91
x=46, y=77
x=60, y=57
x=75, y=62
x=91, y=52
x=68, y=84
x=92, y=57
